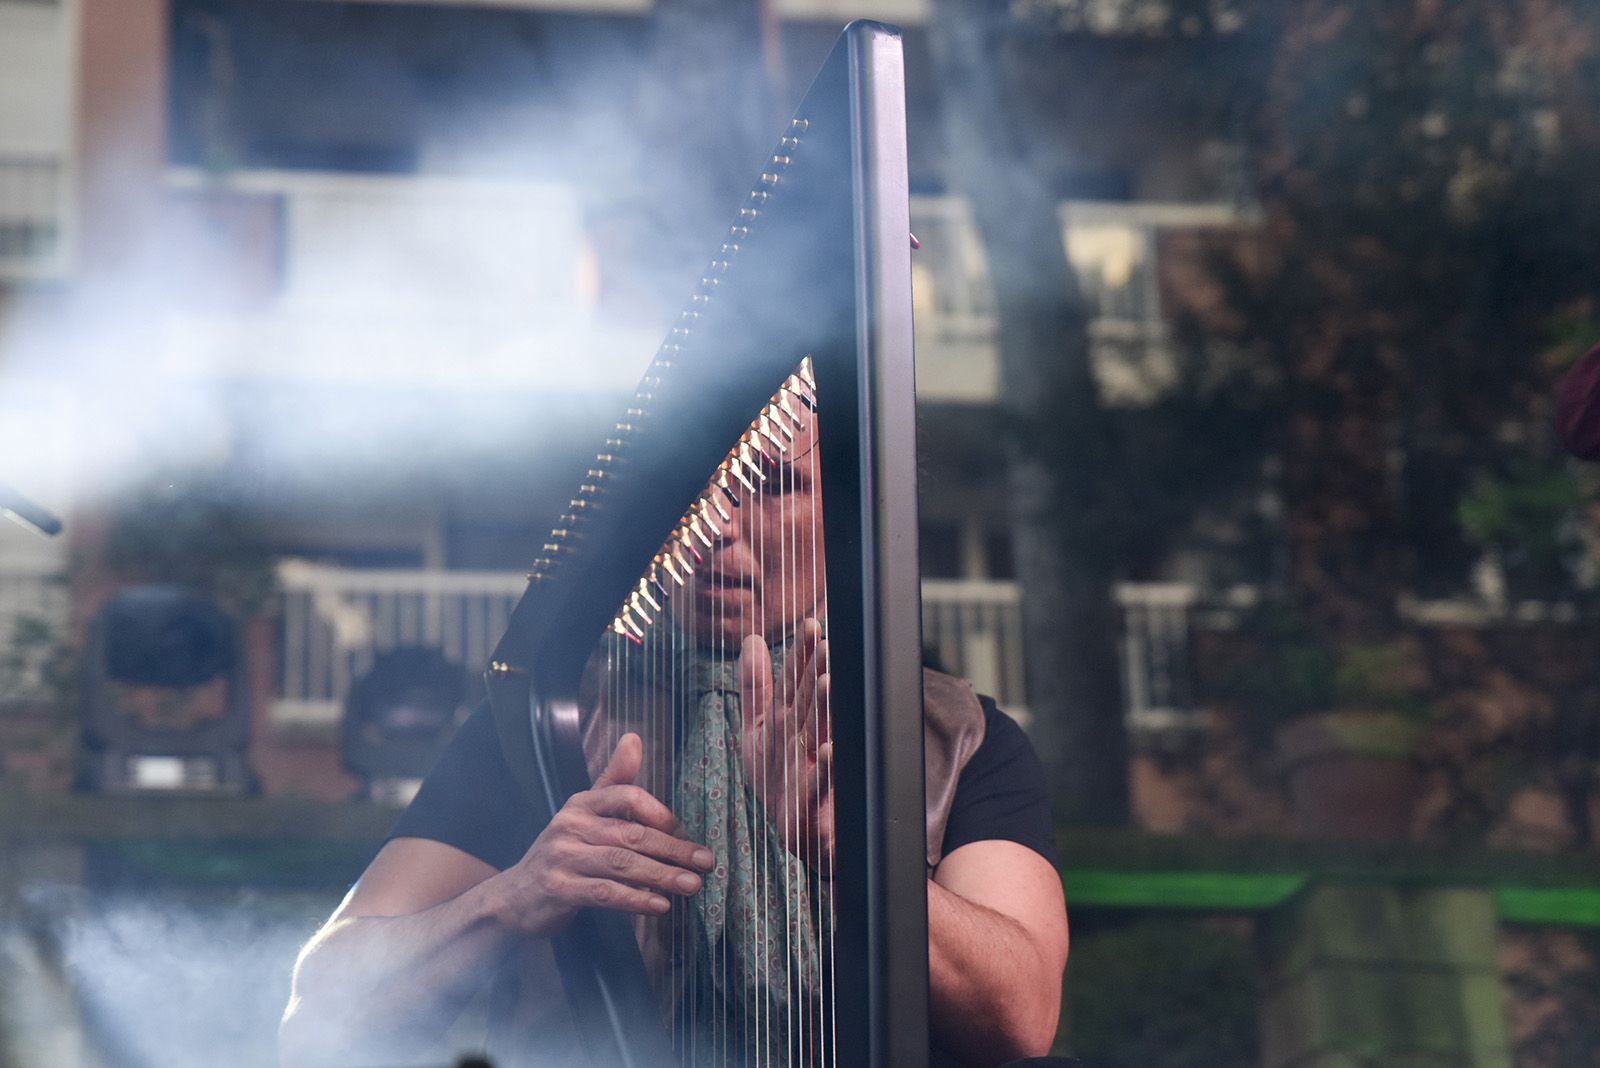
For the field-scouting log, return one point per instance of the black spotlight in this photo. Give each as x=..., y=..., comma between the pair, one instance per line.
x=165, y=702
x=398, y=718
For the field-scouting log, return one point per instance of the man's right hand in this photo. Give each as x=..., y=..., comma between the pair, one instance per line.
x=613, y=847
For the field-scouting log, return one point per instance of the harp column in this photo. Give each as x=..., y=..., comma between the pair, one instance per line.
x=878, y=526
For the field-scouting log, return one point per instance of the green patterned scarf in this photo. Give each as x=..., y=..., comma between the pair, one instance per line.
x=750, y=948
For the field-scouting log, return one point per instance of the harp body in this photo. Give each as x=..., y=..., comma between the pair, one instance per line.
x=807, y=305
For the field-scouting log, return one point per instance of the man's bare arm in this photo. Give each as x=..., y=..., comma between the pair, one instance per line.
x=425, y=924
x=997, y=947
x=397, y=960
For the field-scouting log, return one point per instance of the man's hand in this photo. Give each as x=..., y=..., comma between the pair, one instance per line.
x=414, y=938
x=614, y=847
x=786, y=746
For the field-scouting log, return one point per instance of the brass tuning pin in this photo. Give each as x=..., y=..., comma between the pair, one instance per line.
x=736, y=471
x=682, y=535
x=780, y=417
x=644, y=591
x=666, y=562
x=764, y=428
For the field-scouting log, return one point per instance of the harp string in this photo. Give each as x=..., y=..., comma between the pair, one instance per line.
x=824, y=697
x=748, y=964
x=789, y=598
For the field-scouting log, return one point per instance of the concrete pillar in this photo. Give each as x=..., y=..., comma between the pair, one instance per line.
x=1383, y=976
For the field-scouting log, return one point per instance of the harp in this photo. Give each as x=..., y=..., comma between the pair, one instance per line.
x=801, y=323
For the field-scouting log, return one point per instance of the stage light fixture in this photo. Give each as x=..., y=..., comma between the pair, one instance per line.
x=166, y=707
x=398, y=718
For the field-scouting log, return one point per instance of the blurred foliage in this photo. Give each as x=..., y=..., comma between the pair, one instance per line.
x=1285, y=668
x=1528, y=517
x=1163, y=993
x=1571, y=332
x=39, y=685
x=1382, y=677
x=191, y=529
x=36, y=665
x=1422, y=176
x=1554, y=987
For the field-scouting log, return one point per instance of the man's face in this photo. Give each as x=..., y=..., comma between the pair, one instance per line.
x=764, y=573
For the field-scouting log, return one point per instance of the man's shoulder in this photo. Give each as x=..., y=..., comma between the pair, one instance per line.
x=1002, y=793
x=470, y=799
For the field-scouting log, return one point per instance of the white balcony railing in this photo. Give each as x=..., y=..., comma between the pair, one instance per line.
x=335, y=621
x=1155, y=654
x=973, y=628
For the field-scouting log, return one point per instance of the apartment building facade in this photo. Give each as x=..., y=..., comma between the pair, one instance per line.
x=365, y=261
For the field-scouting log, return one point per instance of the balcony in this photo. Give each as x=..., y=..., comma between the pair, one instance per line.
x=37, y=68
x=333, y=622
x=401, y=281
x=1113, y=250
x=902, y=12
x=33, y=215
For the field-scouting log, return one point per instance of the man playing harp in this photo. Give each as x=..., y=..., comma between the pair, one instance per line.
x=463, y=889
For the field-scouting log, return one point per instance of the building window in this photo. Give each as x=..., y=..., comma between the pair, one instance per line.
x=1112, y=247
x=37, y=134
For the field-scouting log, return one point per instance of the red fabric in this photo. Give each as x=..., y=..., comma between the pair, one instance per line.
x=1578, y=410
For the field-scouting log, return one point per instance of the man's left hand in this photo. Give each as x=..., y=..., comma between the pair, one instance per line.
x=787, y=745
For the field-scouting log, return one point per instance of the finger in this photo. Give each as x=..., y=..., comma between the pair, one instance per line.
x=824, y=724
x=650, y=842
x=821, y=784
x=632, y=803
x=805, y=717
x=755, y=679
x=624, y=865
x=623, y=767
x=806, y=701
x=608, y=894
x=822, y=837
x=800, y=654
